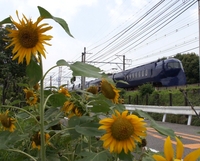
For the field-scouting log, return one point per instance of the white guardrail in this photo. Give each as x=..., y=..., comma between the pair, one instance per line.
x=177, y=110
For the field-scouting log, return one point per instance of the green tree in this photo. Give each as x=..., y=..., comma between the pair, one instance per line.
x=190, y=63
x=146, y=89
x=11, y=73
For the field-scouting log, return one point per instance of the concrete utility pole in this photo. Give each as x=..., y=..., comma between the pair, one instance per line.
x=50, y=82
x=123, y=62
x=82, y=77
x=59, y=76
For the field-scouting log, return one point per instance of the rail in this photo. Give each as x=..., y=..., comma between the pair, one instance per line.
x=177, y=110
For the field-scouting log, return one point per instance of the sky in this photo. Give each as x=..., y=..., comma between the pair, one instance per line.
x=142, y=31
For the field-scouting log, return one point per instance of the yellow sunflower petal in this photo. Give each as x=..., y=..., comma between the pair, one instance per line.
x=168, y=149
x=118, y=147
x=107, y=143
x=112, y=145
x=159, y=158
x=106, y=136
x=105, y=127
x=179, y=149
x=125, y=147
x=129, y=145
x=193, y=155
x=124, y=114
x=106, y=121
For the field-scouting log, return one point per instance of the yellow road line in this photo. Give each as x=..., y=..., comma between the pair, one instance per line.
x=152, y=131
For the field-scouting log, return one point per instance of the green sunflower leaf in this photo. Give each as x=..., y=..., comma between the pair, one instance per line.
x=100, y=106
x=57, y=100
x=62, y=62
x=45, y=14
x=8, y=139
x=72, y=122
x=161, y=129
x=89, y=129
x=6, y=20
x=86, y=70
x=125, y=157
x=34, y=72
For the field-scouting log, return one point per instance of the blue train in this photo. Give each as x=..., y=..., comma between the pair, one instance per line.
x=160, y=73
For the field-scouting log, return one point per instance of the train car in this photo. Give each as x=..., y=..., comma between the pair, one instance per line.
x=161, y=73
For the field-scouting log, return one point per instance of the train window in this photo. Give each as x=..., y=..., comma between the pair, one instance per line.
x=139, y=74
x=135, y=74
x=173, y=65
x=132, y=75
x=143, y=73
x=146, y=72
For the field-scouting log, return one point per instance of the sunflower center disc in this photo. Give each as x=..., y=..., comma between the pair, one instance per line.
x=6, y=122
x=28, y=37
x=122, y=129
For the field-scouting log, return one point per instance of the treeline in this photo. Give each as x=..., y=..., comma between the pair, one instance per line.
x=190, y=63
x=11, y=73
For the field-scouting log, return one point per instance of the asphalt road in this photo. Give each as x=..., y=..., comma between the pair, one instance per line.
x=189, y=137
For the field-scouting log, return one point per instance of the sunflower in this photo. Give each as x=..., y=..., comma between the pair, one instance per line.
x=109, y=91
x=31, y=97
x=36, y=87
x=28, y=39
x=72, y=109
x=7, y=122
x=67, y=107
x=75, y=112
x=36, y=141
x=122, y=131
x=169, y=152
x=93, y=89
x=64, y=91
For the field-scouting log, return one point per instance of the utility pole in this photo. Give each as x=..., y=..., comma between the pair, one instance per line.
x=59, y=76
x=82, y=77
x=50, y=82
x=123, y=62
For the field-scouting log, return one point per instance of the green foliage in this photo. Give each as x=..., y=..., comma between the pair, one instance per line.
x=145, y=89
x=34, y=75
x=45, y=14
x=190, y=63
x=11, y=73
x=83, y=69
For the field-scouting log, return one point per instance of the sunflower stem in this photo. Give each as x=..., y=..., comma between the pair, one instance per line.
x=19, y=151
x=49, y=71
x=43, y=149
x=89, y=144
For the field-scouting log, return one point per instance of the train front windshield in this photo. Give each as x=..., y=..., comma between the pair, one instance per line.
x=173, y=65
